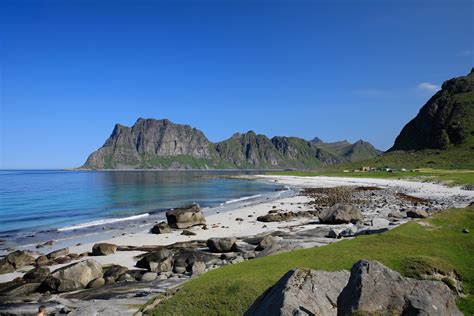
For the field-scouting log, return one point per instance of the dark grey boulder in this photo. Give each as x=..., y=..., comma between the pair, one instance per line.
x=225, y=244
x=341, y=214
x=54, y=284
x=103, y=249
x=20, y=289
x=158, y=261
x=267, y=241
x=185, y=217
x=161, y=228
x=374, y=289
x=19, y=259
x=302, y=292
x=416, y=213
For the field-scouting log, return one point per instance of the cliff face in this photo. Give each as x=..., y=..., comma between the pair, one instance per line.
x=161, y=144
x=148, y=140
x=446, y=120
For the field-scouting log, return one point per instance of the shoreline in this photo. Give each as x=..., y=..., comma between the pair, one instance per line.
x=239, y=220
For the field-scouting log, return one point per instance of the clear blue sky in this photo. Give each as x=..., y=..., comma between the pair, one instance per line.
x=338, y=70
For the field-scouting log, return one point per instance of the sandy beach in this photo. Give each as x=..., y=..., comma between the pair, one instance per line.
x=242, y=221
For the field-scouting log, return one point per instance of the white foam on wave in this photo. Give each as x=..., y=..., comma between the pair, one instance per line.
x=102, y=222
x=243, y=198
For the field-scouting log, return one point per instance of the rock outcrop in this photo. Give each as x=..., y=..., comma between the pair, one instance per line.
x=369, y=289
x=226, y=244
x=302, y=292
x=374, y=289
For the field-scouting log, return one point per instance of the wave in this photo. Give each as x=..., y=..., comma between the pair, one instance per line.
x=102, y=222
x=243, y=198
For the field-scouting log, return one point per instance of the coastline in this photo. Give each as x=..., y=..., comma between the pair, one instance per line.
x=238, y=219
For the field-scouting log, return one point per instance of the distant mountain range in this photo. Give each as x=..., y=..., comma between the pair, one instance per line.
x=161, y=144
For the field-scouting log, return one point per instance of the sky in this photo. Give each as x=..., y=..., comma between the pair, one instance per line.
x=70, y=70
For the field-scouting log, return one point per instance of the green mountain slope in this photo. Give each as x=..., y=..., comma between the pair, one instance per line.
x=161, y=144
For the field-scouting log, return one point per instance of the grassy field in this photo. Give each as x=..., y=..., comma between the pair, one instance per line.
x=409, y=249
x=449, y=177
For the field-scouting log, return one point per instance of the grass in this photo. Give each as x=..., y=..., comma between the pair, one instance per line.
x=230, y=290
x=450, y=177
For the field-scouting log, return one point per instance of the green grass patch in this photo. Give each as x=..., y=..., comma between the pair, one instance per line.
x=230, y=290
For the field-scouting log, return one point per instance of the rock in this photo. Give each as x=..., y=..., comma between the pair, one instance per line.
x=36, y=275
x=334, y=233
x=302, y=292
x=225, y=244
x=188, y=233
x=42, y=261
x=371, y=231
x=6, y=267
x=465, y=231
x=158, y=261
x=21, y=289
x=266, y=242
x=349, y=231
x=149, y=276
x=164, y=265
x=99, y=282
x=198, y=268
x=340, y=214
x=57, y=285
x=82, y=272
x=161, y=228
x=58, y=253
x=416, y=213
x=62, y=260
x=238, y=259
x=126, y=278
x=375, y=289
x=380, y=222
x=186, y=259
x=185, y=217
x=112, y=273
x=278, y=248
x=103, y=249
x=19, y=259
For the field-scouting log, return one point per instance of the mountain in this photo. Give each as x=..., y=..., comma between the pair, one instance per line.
x=360, y=150
x=446, y=120
x=161, y=144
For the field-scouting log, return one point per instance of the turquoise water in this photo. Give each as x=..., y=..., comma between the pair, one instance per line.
x=43, y=200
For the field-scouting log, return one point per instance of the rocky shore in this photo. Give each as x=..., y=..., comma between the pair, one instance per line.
x=120, y=273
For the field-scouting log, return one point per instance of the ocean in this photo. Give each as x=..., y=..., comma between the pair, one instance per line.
x=57, y=200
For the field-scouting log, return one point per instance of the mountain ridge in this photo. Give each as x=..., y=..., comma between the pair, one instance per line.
x=162, y=144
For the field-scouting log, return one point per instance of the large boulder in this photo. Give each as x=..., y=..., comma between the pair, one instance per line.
x=103, y=249
x=82, y=272
x=374, y=289
x=341, y=214
x=302, y=292
x=19, y=259
x=185, y=217
x=225, y=244
x=158, y=261
x=161, y=228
